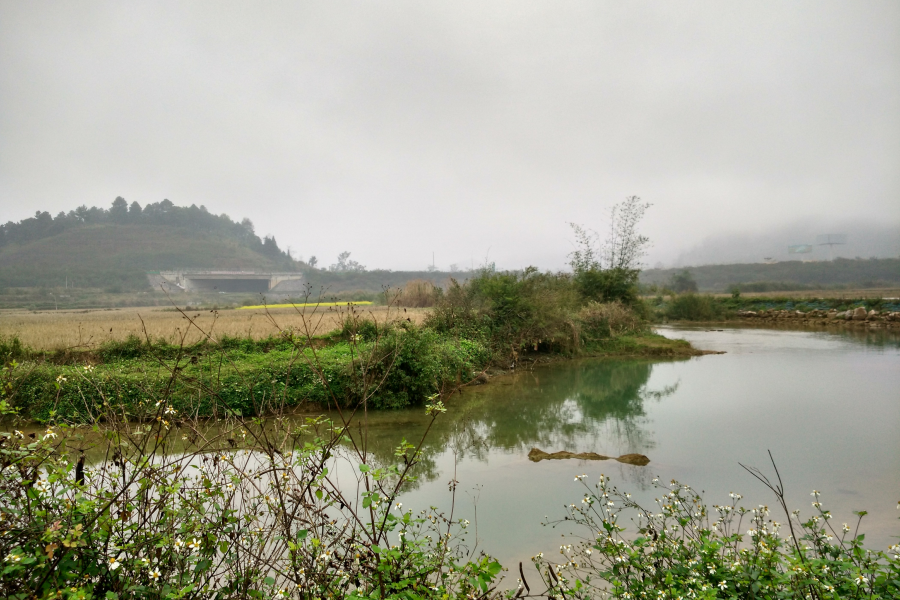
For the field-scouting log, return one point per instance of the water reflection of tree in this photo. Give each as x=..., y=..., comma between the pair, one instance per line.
x=577, y=406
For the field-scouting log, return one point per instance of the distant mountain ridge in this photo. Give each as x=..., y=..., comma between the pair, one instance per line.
x=865, y=239
x=114, y=248
x=872, y=272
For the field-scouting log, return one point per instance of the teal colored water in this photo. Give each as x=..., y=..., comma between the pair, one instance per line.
x=826, y=404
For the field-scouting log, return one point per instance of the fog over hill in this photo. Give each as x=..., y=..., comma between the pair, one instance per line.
x=438, y=133
x=865, y=239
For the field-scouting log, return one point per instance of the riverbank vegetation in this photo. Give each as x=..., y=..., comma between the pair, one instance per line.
x=162, y=504
x=706, y=307
x=170, y=507
x=177, y=468
x=494, y=322
x=684, y=548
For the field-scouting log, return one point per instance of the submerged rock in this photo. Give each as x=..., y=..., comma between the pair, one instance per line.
x=537, y=455
x=634, y=459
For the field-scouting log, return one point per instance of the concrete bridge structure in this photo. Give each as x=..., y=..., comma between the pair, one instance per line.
x=225, y=281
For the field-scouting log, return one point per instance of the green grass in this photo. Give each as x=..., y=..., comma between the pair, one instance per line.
x=493, y=320
x=253, y=377
x=246, y=377
x=642, y=345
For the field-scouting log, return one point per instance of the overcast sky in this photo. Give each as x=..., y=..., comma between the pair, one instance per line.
x=467, y=129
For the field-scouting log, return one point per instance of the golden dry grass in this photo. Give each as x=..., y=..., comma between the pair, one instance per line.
x=50, y=330
x=418, y=293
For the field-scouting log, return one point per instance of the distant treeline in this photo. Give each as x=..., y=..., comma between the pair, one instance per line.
x=783, y=276
x=43, y=225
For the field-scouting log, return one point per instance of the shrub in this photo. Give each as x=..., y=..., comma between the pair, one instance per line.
x=511, y=311
x=242, y=508
x=415, y=363
x=129, y=348
x=457, y=314
x=693, y=307
x=11, y=348
x=230, y=513
x=684, y=548
x=683, y=282
x=608, y=285
x=611, y=319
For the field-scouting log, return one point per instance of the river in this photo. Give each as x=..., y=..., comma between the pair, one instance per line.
x=827, y=405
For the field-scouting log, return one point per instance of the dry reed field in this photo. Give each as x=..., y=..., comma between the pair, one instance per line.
x=51, y=330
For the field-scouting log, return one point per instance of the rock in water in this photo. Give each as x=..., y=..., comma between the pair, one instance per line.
x=634, y=459
x=537, y=455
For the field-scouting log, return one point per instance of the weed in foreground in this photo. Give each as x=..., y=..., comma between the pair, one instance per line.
x=681, y=548
x=162, y=504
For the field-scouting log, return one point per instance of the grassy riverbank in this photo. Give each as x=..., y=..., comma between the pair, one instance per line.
x=250, y=377
x=310, y=507
x=704, y=307
x=494, y=323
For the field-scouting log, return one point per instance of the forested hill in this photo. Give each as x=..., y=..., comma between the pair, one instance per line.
x=113, y=248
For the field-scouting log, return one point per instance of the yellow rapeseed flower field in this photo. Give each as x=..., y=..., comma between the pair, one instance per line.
x=308, y=304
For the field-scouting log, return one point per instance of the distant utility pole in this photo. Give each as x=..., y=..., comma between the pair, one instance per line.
x=831, y=240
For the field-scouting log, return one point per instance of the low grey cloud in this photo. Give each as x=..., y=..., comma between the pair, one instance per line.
x=467, y=129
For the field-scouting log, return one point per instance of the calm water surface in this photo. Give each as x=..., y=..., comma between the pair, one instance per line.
x=826, y=404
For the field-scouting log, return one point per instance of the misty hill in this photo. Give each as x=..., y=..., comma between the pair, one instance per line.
x=863, y=273
x=864, y=239
x=113, y=249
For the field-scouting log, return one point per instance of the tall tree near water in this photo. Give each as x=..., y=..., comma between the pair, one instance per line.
x=608, y=271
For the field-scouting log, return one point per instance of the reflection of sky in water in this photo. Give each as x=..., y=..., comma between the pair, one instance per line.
x=826, y=404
